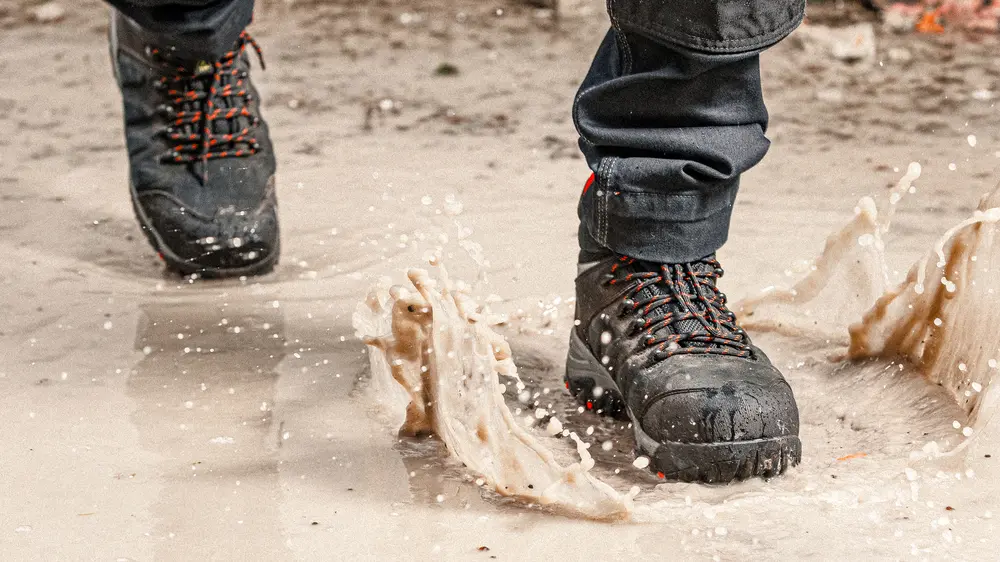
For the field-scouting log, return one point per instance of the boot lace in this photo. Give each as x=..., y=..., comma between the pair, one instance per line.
x=680, y=310
x=208, y=107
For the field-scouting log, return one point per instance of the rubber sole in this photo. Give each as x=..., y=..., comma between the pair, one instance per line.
x=719, y=463
x=183, y=267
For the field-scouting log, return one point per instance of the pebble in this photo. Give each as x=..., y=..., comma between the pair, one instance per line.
x=49, y=12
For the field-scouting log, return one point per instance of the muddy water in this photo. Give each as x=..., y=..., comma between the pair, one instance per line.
x=130, y=457
x=110, y=462
x=907, y=390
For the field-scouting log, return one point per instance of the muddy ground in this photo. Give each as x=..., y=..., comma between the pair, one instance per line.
x=143, y=425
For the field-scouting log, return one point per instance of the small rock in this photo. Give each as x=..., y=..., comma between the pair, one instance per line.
x=900, y=55
x=49, y=12
x=830, y=95
x=850, y=44
x=981, y=95
x=899, y=21
x=446, y=69
x=576, y=8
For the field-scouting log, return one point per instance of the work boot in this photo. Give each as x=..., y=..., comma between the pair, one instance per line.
x=201, y=163
x=657, y=342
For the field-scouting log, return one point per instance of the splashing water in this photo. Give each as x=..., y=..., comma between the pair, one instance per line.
x=943, y=318
x=434, y=355
x=437, y=346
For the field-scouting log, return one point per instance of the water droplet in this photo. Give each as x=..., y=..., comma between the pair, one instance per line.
x=555, y=426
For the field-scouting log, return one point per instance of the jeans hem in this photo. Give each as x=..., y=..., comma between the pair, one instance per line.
x=758, y=41
x=653, y=227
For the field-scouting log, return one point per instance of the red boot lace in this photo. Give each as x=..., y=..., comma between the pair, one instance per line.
x=689, y=316
x=202, y=96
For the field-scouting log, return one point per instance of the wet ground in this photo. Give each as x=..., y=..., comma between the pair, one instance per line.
x=157, y=418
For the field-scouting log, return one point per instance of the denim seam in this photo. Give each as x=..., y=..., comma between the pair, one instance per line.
x=607, y=195
x=715, y=45
x=595, y=208
x=712, y=198
x=715, y=215
x=620, y=39
x=599, y=195
x=654, y=194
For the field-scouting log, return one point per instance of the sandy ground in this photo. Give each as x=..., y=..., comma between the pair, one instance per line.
x=153, y=418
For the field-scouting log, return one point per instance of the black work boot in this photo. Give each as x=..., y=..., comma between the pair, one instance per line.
x=201, y=163
x=657, y=342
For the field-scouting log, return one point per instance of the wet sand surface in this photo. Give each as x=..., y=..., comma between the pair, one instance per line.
x=155, y=418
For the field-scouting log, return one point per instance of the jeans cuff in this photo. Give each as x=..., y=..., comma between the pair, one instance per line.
x=661, y=226
x=714, y=26
x=191, y=32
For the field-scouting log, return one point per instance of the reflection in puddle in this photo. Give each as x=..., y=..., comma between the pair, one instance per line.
x=203, y=397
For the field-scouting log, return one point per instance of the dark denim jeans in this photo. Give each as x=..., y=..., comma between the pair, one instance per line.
x=199, y=29
x=670, y=114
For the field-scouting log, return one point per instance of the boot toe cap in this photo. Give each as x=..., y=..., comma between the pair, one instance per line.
x=230, y=242
x=735, y=410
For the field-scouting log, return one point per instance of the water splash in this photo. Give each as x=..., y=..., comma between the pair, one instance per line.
x=434, y=356
x=436, y=345
x=942, y=318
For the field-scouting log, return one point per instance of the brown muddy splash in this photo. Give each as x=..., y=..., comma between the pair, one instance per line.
x=437, y=346
x=943, y=318
x=434, y=354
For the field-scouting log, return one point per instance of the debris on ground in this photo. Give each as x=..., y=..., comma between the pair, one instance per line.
x=50, y=12
x=938, y=16
x=852, y=44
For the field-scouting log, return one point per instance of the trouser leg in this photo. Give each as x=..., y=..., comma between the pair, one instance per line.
x=197, y=29
x=670, y=114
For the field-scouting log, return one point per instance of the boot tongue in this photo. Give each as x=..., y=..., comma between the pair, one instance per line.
x=684, y=286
